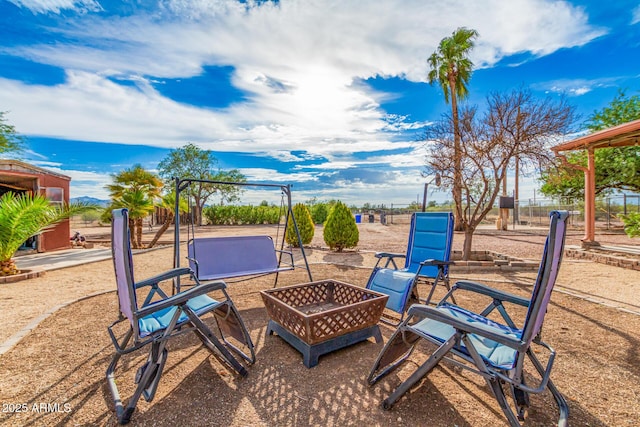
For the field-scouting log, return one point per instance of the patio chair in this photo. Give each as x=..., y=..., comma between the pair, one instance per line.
x=494, y=349
x=427, y=259
x=161, y=317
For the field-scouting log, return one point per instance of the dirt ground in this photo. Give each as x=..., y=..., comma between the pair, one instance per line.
x=56, y=372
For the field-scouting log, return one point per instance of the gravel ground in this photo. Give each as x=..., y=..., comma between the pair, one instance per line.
x=62, y=361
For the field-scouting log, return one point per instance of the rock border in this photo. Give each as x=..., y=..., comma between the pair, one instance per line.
x=23, y=275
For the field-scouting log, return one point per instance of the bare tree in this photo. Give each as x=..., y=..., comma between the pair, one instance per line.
x=515, y=125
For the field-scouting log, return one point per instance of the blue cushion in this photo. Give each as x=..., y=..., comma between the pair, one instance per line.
x=497, y=355
x=430, y=238
x=160, y=320
x=395, y=283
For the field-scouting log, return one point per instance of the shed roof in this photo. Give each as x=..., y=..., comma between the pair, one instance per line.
x=11, y=165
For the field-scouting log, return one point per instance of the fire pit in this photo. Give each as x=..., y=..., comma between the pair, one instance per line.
x=319, y=317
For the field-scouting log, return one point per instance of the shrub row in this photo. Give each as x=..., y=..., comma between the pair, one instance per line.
x=340, y=230
x=241, y=215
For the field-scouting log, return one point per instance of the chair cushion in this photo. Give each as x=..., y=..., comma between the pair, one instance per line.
x=497, y=355
x=395, y=283
x=160, y=320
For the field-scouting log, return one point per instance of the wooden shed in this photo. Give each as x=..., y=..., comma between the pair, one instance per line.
x=21, y=177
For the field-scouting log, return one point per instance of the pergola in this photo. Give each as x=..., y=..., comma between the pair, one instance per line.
x=624, y=135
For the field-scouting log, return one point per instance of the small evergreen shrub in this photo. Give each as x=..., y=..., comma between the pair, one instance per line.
x=305, y=226
x=340, y=229
x=319, y=213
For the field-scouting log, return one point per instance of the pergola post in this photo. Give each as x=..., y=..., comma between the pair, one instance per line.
x=624, y=135
x=590, y=200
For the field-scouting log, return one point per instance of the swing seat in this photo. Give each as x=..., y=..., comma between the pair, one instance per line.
x=214, y=258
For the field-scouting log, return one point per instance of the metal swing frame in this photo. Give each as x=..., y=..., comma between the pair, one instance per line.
x=181, y=184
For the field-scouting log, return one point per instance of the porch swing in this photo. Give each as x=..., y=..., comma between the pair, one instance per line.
x=238, y=257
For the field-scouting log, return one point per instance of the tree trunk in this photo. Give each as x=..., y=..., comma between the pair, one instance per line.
x=466, y=247
x=132, y=230
x=457, y=159
x=139, y=225
x=8, y=268
x=167, y=222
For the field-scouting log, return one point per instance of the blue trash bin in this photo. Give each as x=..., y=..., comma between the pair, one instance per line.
x=358, y=218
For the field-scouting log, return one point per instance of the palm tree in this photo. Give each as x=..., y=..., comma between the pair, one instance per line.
x=139, y=205
x=135, y=189
x=168, y=202
x=452, y=68
x=25, y=215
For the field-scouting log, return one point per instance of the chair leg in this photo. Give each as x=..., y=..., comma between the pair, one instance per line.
x=394, y=353
x=423, y=370
x=521, y=401
x=213, y=344
x=123, y=414
x=230, y=324
x=156, y=366
x=498, y=392
x=563, y=407
x=494, y=383
x=147, y=378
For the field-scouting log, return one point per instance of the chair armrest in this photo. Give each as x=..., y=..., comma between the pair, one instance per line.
x=436, y=262
x=389, y=255
x=181, y=297
x=285, y=253
x=490, y=292
x=170, y=274
x=477, y=328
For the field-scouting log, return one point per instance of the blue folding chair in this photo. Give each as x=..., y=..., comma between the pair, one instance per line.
x=427, y=258
x=494, y=349
x=161, y=317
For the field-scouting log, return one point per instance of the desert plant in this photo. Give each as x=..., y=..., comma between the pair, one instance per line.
x=134, y=189
x=340, y=229
x=23, y=216
x=90, y=216
x=305, y=226
x=631, y=224
x=319, y=213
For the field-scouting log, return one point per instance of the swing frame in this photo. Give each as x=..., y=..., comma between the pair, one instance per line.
x=182, y=184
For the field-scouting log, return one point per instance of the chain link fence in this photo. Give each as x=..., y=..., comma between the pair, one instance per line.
x=609, y=210
x=533, y=212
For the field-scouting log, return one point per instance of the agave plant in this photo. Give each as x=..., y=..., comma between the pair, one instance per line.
x=25, y=215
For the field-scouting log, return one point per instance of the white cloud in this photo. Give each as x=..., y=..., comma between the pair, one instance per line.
x=300, y=64
x=262, y=175
x=56, y=6
x=635, y=15
x=576, y=87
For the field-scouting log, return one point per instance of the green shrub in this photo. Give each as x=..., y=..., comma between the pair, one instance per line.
x=305, y=226
x=340, y=229
x=238, y=215
x=319, y=213
x=631, y=224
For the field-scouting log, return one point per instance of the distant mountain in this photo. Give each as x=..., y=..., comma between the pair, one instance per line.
x=93, y=200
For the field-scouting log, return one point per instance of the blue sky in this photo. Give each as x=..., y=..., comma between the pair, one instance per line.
x=329, y=96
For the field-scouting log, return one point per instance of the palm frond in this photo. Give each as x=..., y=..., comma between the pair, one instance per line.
x=25, y=215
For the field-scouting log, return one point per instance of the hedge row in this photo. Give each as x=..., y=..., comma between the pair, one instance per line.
x=242, y=215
